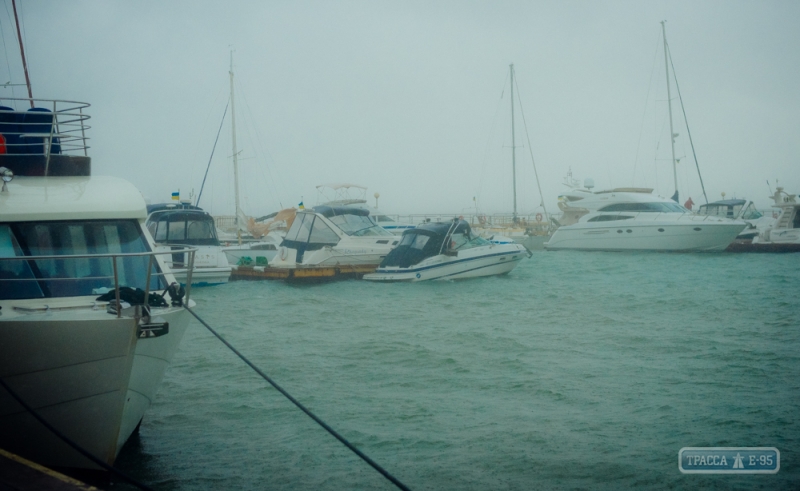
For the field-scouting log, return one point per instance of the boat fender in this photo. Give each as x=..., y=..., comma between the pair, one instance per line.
x=283, y=253
x=539, y=217
x=3, y=149
x=176, y=293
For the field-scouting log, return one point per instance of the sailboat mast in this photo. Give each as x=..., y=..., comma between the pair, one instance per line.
x=22, y=52
x=235, y=151
x=513, y=144
x=669, y=104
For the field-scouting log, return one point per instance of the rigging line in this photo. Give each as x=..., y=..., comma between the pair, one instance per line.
x=22, y=52
x=683, y=109
x=644, y=113
x=5, y=48
x=71, y=443
x=530, y=149
x=197, y=203
x=271, y=180
x=300, y=406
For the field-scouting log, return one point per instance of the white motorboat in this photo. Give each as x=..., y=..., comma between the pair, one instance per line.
x=638, y=220
x=781, y=236
x=447, y=251
x=345, y=194
x=89, y=367
x=738, y=209
x=333, y=236
x=177, y=225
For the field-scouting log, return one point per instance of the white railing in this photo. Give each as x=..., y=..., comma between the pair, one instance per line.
x=54, y=126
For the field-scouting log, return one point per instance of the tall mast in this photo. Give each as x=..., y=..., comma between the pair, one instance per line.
x=235, y=154
x=22, y=52
x=513, y=145
x=669, y=104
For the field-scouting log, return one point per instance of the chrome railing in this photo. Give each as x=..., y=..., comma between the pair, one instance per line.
x=49, y=125
x=115, y=277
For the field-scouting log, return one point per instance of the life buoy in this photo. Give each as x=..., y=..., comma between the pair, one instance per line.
x=539, y=217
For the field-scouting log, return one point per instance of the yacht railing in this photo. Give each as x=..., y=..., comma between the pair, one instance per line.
x=114, y=257
x=48, y=126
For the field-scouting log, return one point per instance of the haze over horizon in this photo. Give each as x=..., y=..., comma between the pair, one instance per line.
x=411, y=99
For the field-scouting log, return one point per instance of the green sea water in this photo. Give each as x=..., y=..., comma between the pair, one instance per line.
x=575, y=371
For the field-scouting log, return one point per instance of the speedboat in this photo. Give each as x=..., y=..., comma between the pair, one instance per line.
x=738, y=209
x=76, y=347
x=177, y=225
x=447, y=251
x=628, y=219
x=334, y=236
x=264, y=236
x=784, y=234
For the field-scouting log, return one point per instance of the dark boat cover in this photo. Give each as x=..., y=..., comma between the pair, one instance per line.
x=423, y=242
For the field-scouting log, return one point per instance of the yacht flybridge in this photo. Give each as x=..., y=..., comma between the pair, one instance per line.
x=76, y=346
x=334, y=236
x=447, y=251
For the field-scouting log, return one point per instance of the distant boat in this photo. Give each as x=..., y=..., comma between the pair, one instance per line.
x=447, y=251
x=783, y=235
x=738, y=209
x=180, y=225
x=334, y=236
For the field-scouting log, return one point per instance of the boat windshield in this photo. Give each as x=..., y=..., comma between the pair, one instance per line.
x=750, y=212
x=358, y=225
x=72, y=277
x=182, y=227
x=648, y=207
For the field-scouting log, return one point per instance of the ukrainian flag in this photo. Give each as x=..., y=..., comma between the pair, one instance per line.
x=301, y=206
x=176, y=196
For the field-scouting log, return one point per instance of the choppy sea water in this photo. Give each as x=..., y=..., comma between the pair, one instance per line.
x=575, y=371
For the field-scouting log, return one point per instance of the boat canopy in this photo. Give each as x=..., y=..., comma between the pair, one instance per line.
x=730, y=208
x=183, y=227
x=427, y=240
x=332, y=211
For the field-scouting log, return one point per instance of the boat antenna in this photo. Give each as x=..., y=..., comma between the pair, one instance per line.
x=686, y=120
x=769, y=186
x=235, y=158
x=513, y=147
x=197, y=203
x=530, y=149
x=22, y=52
x=669, y=104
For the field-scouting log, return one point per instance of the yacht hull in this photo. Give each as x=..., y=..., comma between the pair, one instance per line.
x=652, y=236
x=499, y=259
x=74, y=370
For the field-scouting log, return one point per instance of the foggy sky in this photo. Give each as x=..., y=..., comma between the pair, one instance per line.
x=411, y=99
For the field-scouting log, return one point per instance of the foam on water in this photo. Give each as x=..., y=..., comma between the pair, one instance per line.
x=577, y=370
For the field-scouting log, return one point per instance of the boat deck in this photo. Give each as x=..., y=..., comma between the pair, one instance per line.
x=301, y=274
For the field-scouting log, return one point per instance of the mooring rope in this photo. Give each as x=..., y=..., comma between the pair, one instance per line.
x=71, y=443
x=297, y=403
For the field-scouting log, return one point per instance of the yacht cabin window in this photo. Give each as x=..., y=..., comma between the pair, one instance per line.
x=358, y=225
x=69, y=277
x=609, y=218
x=650, y=207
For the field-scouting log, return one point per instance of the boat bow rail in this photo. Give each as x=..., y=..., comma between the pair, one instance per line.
x=46, y=139
x=21, y=279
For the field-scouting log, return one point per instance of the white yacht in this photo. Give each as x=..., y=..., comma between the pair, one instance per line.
x=447, y=251
x=178, y=225
x=784, y=234
x=89, y=364
x=628, y=219
x=333, y=236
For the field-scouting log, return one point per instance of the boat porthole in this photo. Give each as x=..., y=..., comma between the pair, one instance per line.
x=619, y=231
x=629, y=230
x=661, y=230
x=419, y=275
x=697, y=229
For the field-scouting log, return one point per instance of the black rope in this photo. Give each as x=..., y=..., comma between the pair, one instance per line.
x=71, y=443
x=303, y=408
x=197, y=203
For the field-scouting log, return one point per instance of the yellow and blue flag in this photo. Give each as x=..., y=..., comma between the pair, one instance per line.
x=301, y=206
x=176, y=196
